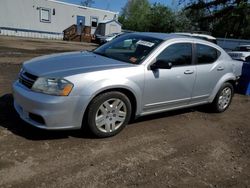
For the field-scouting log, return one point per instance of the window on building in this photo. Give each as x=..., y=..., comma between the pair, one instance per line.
x=45, y=15
x=94, y=21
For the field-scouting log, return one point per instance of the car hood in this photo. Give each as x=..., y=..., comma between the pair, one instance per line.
x=66, y=64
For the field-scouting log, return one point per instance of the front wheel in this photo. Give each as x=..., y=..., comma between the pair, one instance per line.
x=223, y=98
x=109, y=113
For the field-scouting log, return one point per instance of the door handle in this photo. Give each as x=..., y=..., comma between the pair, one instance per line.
x=220, y=68
x=189, y=72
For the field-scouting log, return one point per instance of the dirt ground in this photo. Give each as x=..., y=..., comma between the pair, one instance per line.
x=184, y=148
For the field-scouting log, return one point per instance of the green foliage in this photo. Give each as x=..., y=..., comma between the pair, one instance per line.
x=225, y=18
x=161, y=19
x=182, y=22
x=140, y=15
x=135, y=15
x=230, y=18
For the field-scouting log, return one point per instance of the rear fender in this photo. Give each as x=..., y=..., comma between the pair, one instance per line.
x=226, y=78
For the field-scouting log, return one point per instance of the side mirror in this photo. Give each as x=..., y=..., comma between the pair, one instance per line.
x=161, y=64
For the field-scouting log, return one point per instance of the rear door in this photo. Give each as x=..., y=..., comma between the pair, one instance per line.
x=210, y=68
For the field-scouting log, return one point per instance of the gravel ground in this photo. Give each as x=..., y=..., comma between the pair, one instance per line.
x=184, y=148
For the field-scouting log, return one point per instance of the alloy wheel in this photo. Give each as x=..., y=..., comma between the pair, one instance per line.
x=110, y=115
x=225, y=98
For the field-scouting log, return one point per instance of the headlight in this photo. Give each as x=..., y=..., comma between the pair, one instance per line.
x=53, y=86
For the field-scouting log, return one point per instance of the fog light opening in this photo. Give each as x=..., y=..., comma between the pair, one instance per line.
x=37, y=118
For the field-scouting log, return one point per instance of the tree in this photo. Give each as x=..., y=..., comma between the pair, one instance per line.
x=135, y=15
x=140, y=15
x=221, y=17
x=161, y=19
x=87, y=3
x=182, y=22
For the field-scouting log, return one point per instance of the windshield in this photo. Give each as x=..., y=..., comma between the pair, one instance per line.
x=130, y=48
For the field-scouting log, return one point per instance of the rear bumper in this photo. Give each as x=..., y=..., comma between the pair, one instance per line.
x=53, y=112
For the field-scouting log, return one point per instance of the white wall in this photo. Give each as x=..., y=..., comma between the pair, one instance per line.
x=25, y=15
x=112, y=27
x=30, y=34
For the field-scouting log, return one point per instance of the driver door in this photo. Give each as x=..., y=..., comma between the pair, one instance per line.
x=170, y=88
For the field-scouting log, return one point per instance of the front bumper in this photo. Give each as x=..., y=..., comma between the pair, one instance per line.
x=53, y=112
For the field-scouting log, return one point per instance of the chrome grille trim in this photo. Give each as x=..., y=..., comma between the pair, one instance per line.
x=27, y=79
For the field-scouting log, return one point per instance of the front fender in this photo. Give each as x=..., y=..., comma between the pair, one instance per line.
x=227, y=77
x=107, y=84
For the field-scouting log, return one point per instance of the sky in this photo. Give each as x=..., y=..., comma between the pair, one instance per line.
x=117, y=5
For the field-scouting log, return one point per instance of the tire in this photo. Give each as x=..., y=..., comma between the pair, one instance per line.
x=223, y=98
x=108, y=114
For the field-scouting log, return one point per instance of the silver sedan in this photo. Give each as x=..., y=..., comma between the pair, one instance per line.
x=134, y=75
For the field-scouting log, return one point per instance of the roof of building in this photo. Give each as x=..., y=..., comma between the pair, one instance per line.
x=80, y=6
x=109, y=21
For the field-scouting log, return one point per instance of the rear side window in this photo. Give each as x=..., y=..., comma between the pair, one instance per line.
x=178, y=54
x=206, y=54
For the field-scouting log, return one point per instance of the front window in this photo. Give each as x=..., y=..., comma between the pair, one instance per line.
x=130, y=48
x=179, y=54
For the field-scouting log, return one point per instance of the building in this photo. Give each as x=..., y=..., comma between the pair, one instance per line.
x=48, y=18
x=107, y=27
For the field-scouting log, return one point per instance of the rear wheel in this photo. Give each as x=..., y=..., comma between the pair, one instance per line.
x=223, y=98
x=109, y=113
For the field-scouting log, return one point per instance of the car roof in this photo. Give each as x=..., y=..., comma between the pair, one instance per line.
x=169, y=36
x=162, y=36
x=197, y=35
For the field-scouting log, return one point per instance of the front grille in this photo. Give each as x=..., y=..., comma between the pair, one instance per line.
x=27, y=79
